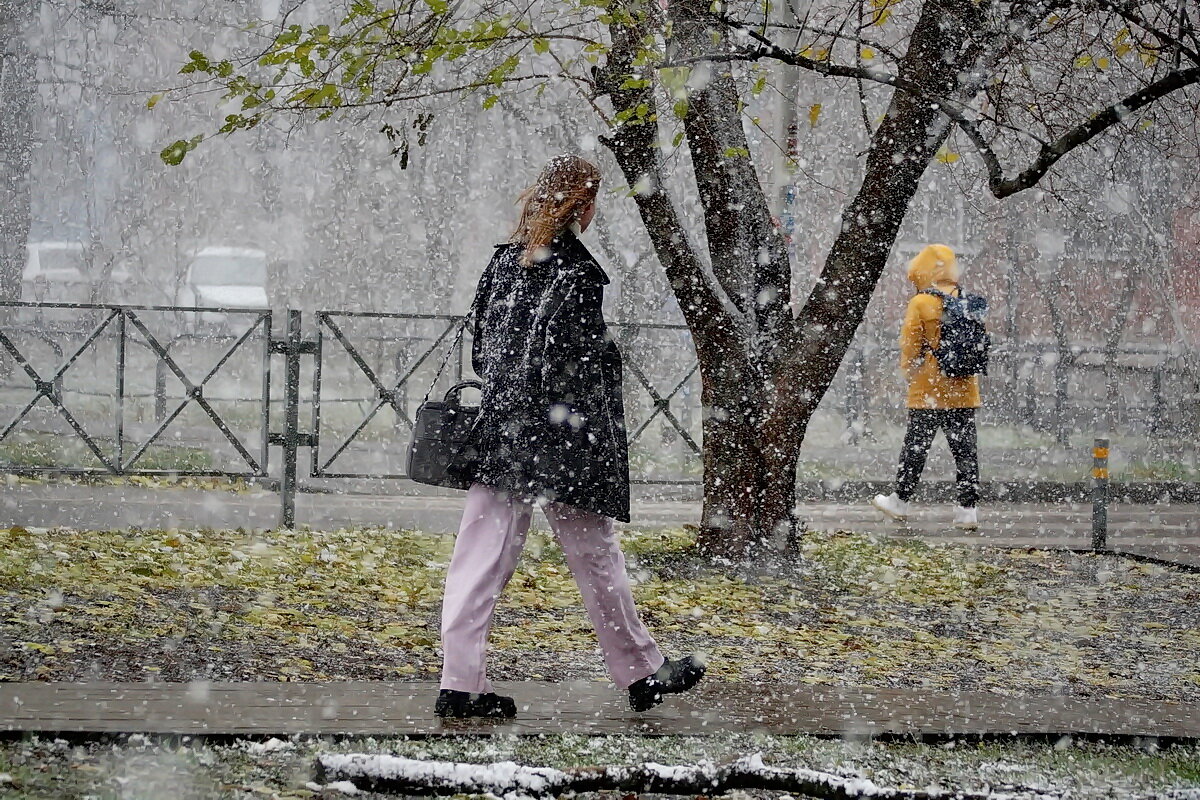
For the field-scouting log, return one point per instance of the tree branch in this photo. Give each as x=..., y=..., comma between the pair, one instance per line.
x=768, y=49
x=1050, y=153
x=873, y=43
x=1076, y=137
x=1126, y=12
x=635, y=147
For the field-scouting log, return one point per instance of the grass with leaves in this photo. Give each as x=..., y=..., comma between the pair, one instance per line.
x=363, y=604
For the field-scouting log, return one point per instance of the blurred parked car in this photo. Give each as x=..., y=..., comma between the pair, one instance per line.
x=221, y=278
x=55, y=272
x=58, y=272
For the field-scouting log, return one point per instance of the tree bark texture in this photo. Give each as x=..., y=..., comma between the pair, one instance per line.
x=764, y=372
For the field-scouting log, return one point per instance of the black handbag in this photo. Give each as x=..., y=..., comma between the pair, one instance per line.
x=440, y=430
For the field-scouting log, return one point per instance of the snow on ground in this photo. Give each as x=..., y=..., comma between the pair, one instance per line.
x=188, y=770
x=271, y=745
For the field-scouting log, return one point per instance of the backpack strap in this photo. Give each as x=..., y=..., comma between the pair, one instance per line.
x=943, y=295
x=925, y=346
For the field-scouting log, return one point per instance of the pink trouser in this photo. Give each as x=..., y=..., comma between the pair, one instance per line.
x=489, y=543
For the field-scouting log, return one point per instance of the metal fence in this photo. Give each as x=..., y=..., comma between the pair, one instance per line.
x=1152, y=390
x=121, y=381
x=121, y=330
x=163, y=390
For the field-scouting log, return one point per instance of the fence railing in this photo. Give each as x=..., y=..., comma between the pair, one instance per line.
x=1153, y=391
x=164, y=390
x=357, y=364
x=120, y=328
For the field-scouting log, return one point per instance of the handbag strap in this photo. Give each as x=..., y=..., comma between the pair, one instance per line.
x=458, y=335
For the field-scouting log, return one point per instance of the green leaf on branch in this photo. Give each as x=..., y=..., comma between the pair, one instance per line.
x=197, y=62
x=637, y=115
x=239, y=122
x=174, y=153
x=497, y=75
x=680, y=108
x=541, y=45
x=288, y=37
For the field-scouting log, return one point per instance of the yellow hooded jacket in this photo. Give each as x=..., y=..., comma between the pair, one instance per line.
x=920, y=334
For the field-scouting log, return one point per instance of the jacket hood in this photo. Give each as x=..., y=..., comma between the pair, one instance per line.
x=934, y=263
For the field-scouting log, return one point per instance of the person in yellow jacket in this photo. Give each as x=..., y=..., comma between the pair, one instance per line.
x=935, y=400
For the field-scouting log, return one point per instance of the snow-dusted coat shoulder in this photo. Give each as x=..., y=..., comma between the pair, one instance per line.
x=552, y=420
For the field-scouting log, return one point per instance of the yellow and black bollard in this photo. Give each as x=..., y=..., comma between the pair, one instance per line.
x=1100, y=495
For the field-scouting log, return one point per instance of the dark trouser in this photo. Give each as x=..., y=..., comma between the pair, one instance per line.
x=923, y=425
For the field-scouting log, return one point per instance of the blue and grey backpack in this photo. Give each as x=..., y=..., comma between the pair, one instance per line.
x=965, y=342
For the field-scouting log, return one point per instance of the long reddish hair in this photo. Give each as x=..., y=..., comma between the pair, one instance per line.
x=559, y=196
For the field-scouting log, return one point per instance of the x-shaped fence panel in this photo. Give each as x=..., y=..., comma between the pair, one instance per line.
x=411, y=362
x=194, y=390
x=120, y=327
x=649, y=366
x=441, y=332
x=49, y=388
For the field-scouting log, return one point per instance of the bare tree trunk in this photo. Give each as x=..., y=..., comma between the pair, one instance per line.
x=18, y=93
x=764, y=373
x=789, y=116
x=1063, y=359
x=901, y=150
x=749, y=470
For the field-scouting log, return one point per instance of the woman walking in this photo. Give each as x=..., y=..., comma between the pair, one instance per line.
x=551, y=431
x=935, y=400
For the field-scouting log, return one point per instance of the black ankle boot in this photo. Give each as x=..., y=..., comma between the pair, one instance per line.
x=673, y=677
x=465, y=704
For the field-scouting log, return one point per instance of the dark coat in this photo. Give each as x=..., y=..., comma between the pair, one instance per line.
x=551, y=422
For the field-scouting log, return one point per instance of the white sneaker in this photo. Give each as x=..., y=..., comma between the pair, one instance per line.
x=966, y=518
x=891, y=505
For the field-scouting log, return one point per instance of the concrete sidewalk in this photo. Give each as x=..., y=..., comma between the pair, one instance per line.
x=398, y=709
x=1170, y=531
